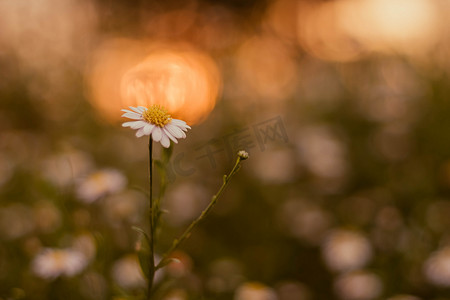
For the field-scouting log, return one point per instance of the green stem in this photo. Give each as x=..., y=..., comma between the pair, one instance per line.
x=151, y=266
x=176, y=243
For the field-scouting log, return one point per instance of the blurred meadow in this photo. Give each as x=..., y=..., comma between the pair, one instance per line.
x=343, y=105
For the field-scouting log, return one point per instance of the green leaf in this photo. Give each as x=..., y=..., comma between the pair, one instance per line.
x=159, y=164
x=144, y=253
x=141, y=231
x=167, y=154
x=167, y=261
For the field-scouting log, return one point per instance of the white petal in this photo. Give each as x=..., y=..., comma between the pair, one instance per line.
x=134, y=124
x=135, y=109
x=148, y=128
x=138, y=124
x=130, y=111
x=174, y=130
x=169, y=135
x=140, y=132
x=132, y=115
x=182, y=130
x=165, y=141
x=181, y=124
x=157, y=134
x=142, y=109
x=178, y=122
x=129, y=124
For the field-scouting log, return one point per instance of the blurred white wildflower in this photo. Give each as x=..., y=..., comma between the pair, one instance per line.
x=127, y=272
x=437, y=267
x=51, y=263
x=65, y=168
x=275, y=166
x=155, y=121
x=85, y=244
x=345, y=250
x=255, y=291
x=303, y=220
x=101, y=183
x=16, y=220
x=184, y=203
x=358, y=285
x=322, y=152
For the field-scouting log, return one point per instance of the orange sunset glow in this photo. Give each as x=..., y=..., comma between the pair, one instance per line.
x=131, y=73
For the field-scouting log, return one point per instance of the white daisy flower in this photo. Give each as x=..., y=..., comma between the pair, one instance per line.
x=254, y=291
x=358, y=285
x=51, y=263
x=155, y=121
x=437, y=267
x=99, y=184
x=346, y=250
x=127, y=273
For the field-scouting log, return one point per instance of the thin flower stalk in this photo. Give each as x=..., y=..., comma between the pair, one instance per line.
x=226, y=179
x=151, y=264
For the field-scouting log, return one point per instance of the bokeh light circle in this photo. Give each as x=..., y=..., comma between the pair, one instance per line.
x=131, y=73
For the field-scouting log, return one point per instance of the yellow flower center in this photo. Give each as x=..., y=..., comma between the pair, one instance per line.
x=157, y=115
x=59, y=258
